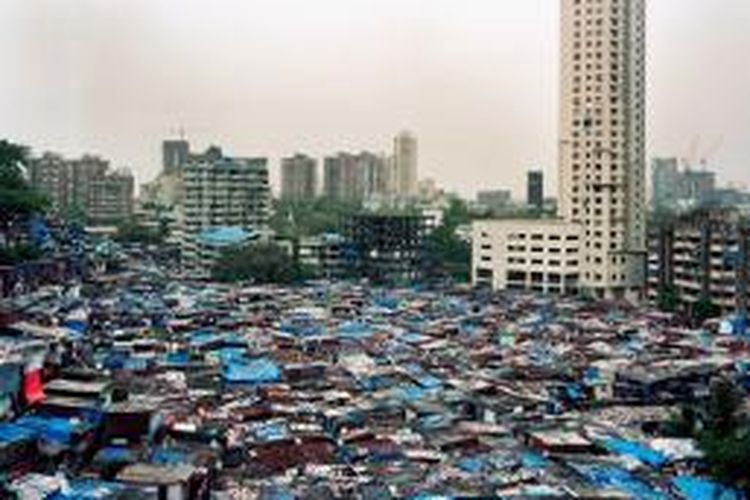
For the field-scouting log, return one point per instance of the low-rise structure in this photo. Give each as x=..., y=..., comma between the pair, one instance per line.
x=537, y=254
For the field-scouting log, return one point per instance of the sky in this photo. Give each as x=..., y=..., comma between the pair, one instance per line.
x=476, y=80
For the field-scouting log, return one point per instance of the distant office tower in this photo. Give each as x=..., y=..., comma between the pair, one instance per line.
x=354, y=177
x=52, y=175
x=602, y=127
x=299, y=178
x=111, y=196
x=674, y=188
x=665, y=181
x=495, y=200
x=175, y=153
x=84, y=184
x=599, y=244
x=535, y=189
x=376, y=177
x=405, y=164
x=698, y=186
x=344, y=180
x=224, y=198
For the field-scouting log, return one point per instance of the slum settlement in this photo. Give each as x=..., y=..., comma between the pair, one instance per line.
x=147, y=388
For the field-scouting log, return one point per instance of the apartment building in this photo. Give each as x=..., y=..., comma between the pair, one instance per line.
x=221, y=192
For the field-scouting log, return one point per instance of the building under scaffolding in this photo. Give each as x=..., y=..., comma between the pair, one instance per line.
x=385, y=248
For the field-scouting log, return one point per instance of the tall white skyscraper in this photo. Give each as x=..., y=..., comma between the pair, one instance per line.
x=597, y=245
x=405, y=164
x=602, y=138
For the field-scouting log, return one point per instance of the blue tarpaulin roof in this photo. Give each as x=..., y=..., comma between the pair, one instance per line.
x=256, y=371
x=11, y=433
x=635, y=450
x=224, y=236
x=57, y=430
x=694, y=488
x=619, y=479
x=88, y=489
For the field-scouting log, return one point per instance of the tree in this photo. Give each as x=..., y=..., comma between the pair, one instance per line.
x=705, y=309
x=132, y=232
x=261, y=263
x=447, y=255
x=725, y=439
x=18, y=201
x=296, y=219
x=668, y=298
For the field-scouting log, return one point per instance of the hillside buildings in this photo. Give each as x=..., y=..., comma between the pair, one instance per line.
x=601, y=170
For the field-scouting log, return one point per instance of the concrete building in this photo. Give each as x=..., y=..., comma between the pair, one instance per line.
x=110, y=197
x=514, y=255
x=323, y=255
x=299, y=178
x=355, y=177
x=53, y=175
x=535, y=189
x=86, y=184
x=495, y=201
x=175, y=154
x=681, y=189
x=385, y=248
x=702, y=255
x=665, y=182
x=221, y=192
x=405, y=163
x=602, y=140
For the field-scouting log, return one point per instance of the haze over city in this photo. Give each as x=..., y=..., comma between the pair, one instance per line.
x=477, y=82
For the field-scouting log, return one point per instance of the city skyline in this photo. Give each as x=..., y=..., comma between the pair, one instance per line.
x=472, y=94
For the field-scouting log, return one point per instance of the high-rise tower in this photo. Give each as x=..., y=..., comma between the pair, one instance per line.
x=597, y=245
x=602, y=139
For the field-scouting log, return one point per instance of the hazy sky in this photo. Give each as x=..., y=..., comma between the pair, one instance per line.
x=475, y=79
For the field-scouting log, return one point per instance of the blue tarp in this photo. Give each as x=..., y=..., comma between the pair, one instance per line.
x=115, y=454
x=640, y=452
x=177, y=359
x=531, y=460
x=271, y=432
x=56, y=430
x=256, y=371
x=694, y=488
x=88, y=489
x=354, y=330
x=224, y=236
x=12, y=433
x=619, y=479
x=168, y=456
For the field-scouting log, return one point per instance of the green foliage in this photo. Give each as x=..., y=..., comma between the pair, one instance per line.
x=132, y=232
x=307, y=218
x=705, y=309
x=446, y=255
x=722, y=429
x=261, y=264
x=18, y=253
x=17, y=199
x=668, y=299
